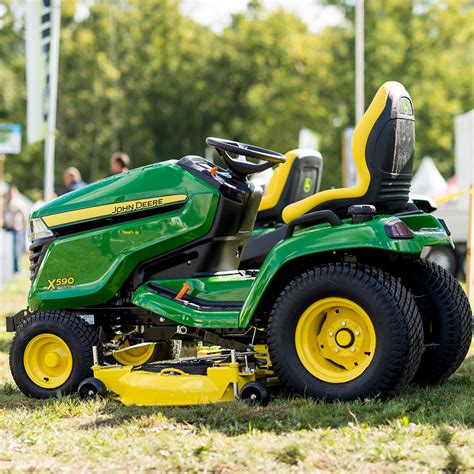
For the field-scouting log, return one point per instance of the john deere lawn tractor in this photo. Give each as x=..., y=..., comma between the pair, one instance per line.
x=342, y=307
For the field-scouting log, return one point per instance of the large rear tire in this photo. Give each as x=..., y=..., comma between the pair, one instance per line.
x=446, y=315
x=52, y=352
x=345, y=331
x=445, y=257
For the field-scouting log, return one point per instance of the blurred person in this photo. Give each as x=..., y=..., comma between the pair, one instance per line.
x=15, y=217
x=119, y=162
x=72, y=179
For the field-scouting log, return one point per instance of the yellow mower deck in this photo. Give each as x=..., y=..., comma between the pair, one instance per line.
x=223, y=381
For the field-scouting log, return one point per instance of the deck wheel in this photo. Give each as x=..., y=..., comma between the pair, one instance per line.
x=255, y=394
x=91, y=388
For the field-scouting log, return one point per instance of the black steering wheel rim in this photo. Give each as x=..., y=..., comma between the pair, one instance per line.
x=244, y=168
x=246, y=149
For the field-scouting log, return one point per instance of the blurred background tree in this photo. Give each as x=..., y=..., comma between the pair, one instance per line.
x=144, y=78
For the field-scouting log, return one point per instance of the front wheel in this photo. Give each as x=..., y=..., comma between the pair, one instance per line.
x=52, y=352
x=345, y=331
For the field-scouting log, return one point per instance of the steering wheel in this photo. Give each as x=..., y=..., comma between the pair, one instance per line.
x=244, y=168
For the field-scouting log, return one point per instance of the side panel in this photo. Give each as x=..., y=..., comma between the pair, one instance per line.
x=427, y=231
x=96, y=263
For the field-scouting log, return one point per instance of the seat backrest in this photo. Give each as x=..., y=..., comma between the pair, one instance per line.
x=383, y=146
x=296, y=179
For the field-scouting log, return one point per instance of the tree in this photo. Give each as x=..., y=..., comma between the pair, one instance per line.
x=429, y=47
x=143, y=78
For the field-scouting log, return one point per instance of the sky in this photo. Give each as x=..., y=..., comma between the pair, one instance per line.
x=216, y=14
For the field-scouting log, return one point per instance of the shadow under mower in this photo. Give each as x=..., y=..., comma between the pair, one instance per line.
x=342, y=307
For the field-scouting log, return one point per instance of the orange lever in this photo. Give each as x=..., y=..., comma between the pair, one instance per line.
x=183, y=291
x=213, y=171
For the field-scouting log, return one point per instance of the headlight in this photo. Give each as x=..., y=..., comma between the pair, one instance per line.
x=38, y=230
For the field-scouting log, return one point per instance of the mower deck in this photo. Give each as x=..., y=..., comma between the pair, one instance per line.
x=207, y=379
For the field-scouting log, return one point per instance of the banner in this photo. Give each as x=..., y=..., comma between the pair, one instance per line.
x=10, y=138
x=349, y=169
x=38, y=28
x=464, y=153
x=42, y=33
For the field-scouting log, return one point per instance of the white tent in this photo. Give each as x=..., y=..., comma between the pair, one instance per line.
x=428, y=179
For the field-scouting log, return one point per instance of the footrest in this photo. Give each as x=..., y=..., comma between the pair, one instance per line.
x=199, y=314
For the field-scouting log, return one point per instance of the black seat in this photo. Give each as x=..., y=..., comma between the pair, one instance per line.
x=383, y=146
x=296, y=179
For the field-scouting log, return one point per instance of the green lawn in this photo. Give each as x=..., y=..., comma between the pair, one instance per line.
x=421, y=430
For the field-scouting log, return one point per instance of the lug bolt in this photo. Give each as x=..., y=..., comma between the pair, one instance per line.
x=353, y=349
x=336, y=349
x=357, y=333
x=343, y=323
x=331, y=333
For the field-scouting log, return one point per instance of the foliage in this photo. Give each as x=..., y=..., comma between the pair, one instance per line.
x=141, y=77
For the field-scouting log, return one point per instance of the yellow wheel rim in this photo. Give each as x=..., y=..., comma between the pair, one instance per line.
x=48, y=361
x=335, y=340
x=138, y=356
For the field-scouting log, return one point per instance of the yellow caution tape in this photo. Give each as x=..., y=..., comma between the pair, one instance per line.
x=469, y=190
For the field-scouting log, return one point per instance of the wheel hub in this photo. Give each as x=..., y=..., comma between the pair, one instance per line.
x=48, y=361
x=344, y=338
x=335, y=340
x=52, y=359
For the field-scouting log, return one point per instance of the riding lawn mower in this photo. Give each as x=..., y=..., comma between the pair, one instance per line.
x=339, y=304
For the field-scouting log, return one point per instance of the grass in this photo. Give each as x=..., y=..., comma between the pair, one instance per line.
x=422, y=430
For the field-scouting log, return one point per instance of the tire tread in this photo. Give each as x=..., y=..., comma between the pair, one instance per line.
x=437, y=366
x=406, y=355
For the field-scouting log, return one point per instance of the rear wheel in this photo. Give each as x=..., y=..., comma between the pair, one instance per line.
x=447, y=319
x=443, y=256
x=52, y=352
x=345, y=331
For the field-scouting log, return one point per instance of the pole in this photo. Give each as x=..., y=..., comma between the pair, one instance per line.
x=2, y=175
x=359, y=60
x=49, y=143
x=470, y=248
